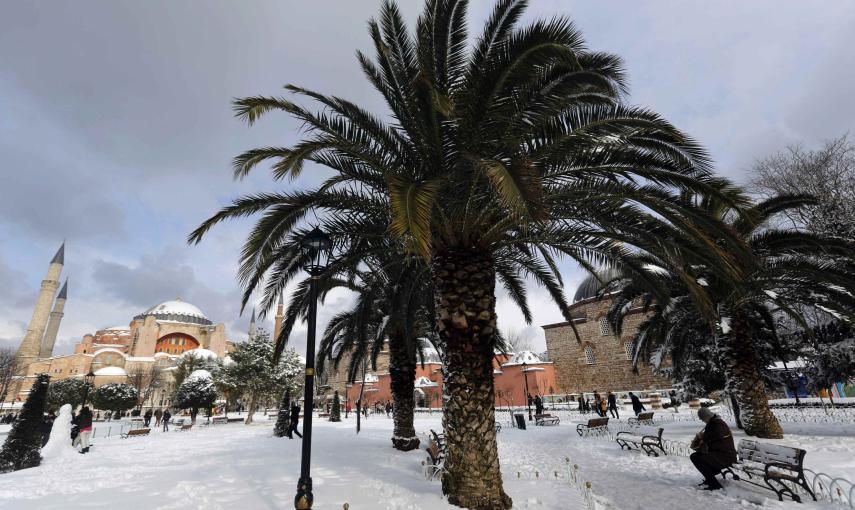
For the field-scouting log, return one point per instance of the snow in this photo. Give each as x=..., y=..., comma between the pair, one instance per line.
x=201, y=353
x=229, y=466
x=703, y=282
x=176, y=307
x=200, y=374
x=523, y=357
x=725, y=325
x=58, y=447
x=111, y=371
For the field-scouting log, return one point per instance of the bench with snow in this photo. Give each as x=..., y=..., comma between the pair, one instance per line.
x=219, y=419
x=545, y=419
x=775, y=464
x=594, y=426
x=436, y=450
x=136, y=432
x=232, y=420
x=323, y=415
x=642, y=419
x=185, y=427
x=647, y=439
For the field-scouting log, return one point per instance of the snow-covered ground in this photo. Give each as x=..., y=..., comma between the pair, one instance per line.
x=235, y=466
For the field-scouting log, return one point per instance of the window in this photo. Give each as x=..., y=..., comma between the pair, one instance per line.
x=589, y=355
x=627, y=348
x=605, y=329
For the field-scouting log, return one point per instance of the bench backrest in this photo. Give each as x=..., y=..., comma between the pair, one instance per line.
x=598, y=422
x=755, y=451
x=647, y=431
x=138, y=432
x=544, y=415
x=645, y=416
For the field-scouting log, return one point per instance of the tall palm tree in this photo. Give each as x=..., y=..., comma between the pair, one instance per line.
x=789, y=273
x=517, y=149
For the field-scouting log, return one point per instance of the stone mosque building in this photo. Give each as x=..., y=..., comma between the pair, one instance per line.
x=157, y=337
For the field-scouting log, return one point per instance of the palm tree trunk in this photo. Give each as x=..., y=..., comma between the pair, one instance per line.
x=744, y=381
x=402, y=371
x=466, y=321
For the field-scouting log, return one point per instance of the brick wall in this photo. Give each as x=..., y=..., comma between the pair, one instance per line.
x=611, y=369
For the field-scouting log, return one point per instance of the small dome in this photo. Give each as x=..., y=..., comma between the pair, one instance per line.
x=523, y=357
x=591, y=285
x=110, y=371
x=176, y=311
x=200, y=353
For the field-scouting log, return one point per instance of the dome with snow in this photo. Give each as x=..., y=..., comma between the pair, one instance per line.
x=591, y=286
x=111, y=371
x=523, y=357
x=200, y=374
x=200, y=353
x=176, y=311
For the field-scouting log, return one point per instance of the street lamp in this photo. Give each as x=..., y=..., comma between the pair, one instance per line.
x=527, y=395
x=316, y=248
x=90, y=381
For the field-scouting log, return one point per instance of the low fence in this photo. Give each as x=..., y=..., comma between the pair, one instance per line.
x=570, y=473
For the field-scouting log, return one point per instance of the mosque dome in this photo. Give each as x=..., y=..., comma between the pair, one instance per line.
x=521, y=357
x=110, y=371
x=200, y=353
x=592, y=285
x=176, y=311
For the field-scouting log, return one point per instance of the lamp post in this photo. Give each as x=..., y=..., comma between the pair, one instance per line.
x=90, y=381
x=316, y=248
x=527, y=398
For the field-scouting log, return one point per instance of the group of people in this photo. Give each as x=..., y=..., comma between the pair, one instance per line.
x=607, y=406
x=159, y=416
x=81, y=428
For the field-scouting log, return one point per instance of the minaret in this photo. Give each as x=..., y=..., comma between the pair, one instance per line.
x=53, y=323
x=280, y=315
x=252, y=328
x=31, y=345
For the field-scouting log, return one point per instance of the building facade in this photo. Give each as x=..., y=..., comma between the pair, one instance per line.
x=599, y=360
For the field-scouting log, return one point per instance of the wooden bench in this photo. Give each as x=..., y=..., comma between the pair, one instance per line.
x=323, y=415
x=642, y=419
x=774, y=463
x=594, y=426
x=136, y=432
x=436, y=451
x=232, y=420
x=219, y=419
x=185, y=427
x=647, y=439
x=546, y=419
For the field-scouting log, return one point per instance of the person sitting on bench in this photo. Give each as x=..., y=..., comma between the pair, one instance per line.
x=713, y=447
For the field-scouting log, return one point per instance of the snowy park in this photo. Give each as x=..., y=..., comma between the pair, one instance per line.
x=228, y=466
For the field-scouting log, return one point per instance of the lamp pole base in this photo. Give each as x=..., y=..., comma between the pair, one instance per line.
x=304, y=499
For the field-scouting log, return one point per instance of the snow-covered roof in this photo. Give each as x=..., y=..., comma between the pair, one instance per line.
x=110, y=371
x=176, y=311
x=523, y=357
x=200, y=353
x=424, y=382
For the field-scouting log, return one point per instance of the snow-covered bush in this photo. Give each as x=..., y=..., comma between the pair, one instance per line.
x=114, y=397
x=197, y=391
x=67, y=391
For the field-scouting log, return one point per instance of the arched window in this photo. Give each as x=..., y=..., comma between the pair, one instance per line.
x=176, y=343
x=627, y=348
x=605, y=329
x=589, y=355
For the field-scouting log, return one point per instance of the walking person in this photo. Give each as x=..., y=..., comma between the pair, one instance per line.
x=637, y=406
x=713, y=447
x=598, y=404
x=675, y=402
x=612, y=401
x=166, y=416
x=157, y=415
x=295, y=419
x=538, y=405
x=147, y=417
x=84, y=429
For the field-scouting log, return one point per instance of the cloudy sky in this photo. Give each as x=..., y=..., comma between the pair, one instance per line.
x=116, y=130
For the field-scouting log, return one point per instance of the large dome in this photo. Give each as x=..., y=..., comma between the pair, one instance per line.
x=591, y=285
x=176, y=311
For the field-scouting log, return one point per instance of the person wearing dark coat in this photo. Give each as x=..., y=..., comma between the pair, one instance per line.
x=713, y=447
x=538, y=405
x=147, y=417
x=295, y=420
x=83, y=420
x=612, y=403
x=637, y=406
x=166, y=416
x=46, y=426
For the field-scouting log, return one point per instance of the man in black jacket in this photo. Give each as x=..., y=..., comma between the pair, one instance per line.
x=713, y=447
x=637, y=406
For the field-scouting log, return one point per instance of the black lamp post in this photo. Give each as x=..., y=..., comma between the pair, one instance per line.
x=527, y=395
x=316, y=248
x=90, y=381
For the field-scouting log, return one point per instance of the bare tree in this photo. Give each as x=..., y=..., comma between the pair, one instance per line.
x=8, y=367
x=516, y=342
x=145, y=380
x=828, y=173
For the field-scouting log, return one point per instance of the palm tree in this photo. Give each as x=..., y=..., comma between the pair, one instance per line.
x=789, y=273
x=500, y=156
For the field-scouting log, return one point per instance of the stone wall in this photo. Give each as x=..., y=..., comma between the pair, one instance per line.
x=610, y=370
